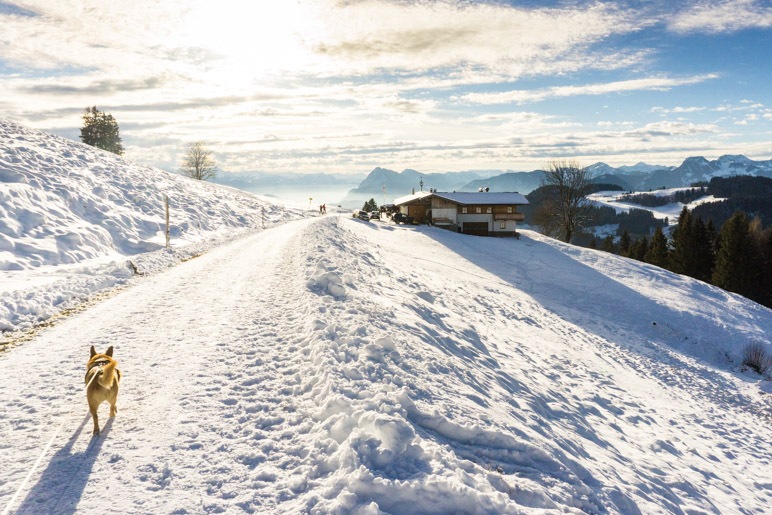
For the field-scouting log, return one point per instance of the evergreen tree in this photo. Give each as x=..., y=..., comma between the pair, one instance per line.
x=762, y=244
x=735, y=269
x=608, y=244
x=657, y=252
x=702, y=251
x=639, y=249
x=624, y=244
x=100, y=130
x=681, y=259
x=370, y=205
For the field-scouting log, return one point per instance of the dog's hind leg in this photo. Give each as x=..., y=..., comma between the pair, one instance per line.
x=93, y=407
x=114, y=397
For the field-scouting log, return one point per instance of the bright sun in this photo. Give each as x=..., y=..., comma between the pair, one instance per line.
x=252, y=40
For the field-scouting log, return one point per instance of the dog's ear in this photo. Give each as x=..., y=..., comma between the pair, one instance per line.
x=93, y=352
x=109, y=351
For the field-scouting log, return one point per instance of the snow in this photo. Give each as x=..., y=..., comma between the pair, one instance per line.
x=331, y=365
x=669, y=211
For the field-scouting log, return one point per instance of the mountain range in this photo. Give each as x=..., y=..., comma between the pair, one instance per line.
x=639, y=177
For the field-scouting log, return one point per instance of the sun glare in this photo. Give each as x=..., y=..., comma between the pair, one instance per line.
x=250, y=41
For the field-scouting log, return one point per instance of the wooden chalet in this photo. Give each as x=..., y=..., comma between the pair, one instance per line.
x=478, y=213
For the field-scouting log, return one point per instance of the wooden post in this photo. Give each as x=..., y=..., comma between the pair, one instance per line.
x=166, y=206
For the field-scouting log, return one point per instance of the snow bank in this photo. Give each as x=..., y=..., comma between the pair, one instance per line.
x=75, y=220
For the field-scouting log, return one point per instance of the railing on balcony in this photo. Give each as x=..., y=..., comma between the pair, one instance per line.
x=518, y=217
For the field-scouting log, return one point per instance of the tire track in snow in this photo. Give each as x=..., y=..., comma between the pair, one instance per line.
x=174, y=425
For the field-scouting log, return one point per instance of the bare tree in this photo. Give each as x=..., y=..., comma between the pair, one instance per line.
x=571, y=184
x=198, y=162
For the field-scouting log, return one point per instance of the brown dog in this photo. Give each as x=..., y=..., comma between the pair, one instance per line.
x=102, y=380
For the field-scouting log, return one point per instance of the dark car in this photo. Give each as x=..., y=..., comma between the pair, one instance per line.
x=375, y=215
x=402, y=218
x=362, y=215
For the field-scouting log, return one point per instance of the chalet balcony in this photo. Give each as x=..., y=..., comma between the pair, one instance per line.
x=518, y=217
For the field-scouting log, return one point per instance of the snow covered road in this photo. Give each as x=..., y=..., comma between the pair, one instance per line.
x=330, y=365
x=180, y=337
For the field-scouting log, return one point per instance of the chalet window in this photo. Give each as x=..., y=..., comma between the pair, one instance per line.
x=489, y=210
x=479, y=210
x=502, y=225
x=509, y=209
x=464, y=210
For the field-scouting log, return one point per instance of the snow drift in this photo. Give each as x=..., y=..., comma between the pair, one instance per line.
x=65, y=203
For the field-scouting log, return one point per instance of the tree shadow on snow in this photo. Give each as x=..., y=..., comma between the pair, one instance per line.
x=62, y=483
x=609, y=309
x=613, y=320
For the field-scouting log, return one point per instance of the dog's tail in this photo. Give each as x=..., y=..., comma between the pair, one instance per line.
x=108, y=374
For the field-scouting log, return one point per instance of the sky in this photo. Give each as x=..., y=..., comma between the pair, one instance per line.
x=345, y=85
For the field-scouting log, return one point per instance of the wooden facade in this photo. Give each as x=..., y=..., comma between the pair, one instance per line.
x=481, y=214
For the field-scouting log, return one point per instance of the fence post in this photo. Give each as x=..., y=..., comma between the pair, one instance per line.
x=166, y=206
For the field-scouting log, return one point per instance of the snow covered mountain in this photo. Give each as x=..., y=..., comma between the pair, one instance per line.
x=330, y=365
x=385, y=185
x=699, y=169
x=638, y=177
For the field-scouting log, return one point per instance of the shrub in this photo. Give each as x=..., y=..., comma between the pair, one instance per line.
x=755, y=356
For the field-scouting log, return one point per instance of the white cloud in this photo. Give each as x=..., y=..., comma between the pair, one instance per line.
x=375, y=34
x=523, y=96
x=722, y=16
x=339, y=84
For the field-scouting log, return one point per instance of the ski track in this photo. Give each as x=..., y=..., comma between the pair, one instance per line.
x=313, y=394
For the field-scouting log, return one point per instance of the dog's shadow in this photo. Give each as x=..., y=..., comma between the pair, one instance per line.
x=62, y=483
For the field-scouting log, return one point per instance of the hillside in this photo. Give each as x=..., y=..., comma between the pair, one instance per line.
x=331, y=365
x=68, y=207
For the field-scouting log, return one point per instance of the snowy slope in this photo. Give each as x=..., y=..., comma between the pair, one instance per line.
x=356, y=367
x=71, y=215
x=670, y=211
x=330, y=365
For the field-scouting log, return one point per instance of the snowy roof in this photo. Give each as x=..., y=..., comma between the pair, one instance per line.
x=484, y=198
x=415, y=196
x=466, y=197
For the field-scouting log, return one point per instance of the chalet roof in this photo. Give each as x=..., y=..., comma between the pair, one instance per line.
x=469, y=198
x=484, y=198
x=414, y=196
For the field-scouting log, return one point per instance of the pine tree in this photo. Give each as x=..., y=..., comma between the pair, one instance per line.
x=702, y=252
x=762, y=244
x=100, y=130
x=681, y=259
x=624, y=244
x=657, y=253
x=639, y=249
x=735, y=269
x=608, y=244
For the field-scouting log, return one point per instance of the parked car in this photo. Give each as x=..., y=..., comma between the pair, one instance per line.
x=402, y=218
x=361, y=214
x=375, y=215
